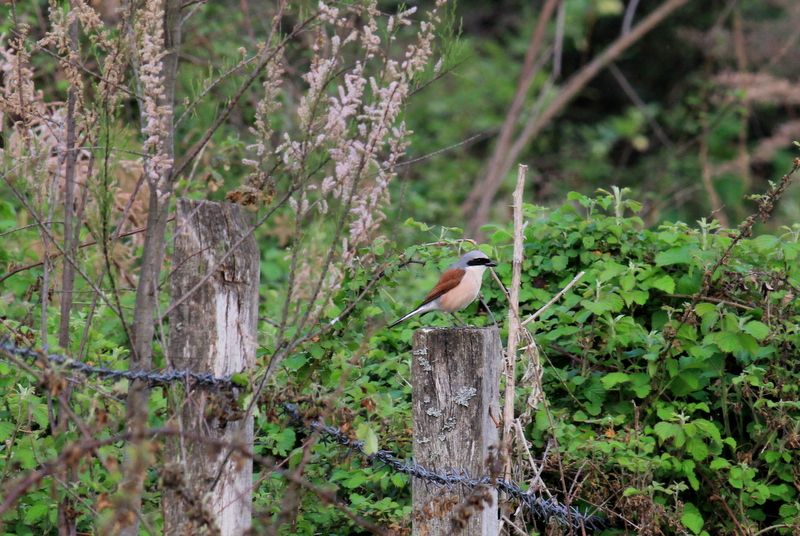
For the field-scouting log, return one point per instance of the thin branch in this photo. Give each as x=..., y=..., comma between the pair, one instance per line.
x=554, y=299
x=513, y=319
x=486, y=190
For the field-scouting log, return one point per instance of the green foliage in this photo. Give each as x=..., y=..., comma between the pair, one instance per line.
x=641, y=392
x=663, y=418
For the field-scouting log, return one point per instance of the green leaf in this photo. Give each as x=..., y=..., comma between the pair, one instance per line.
x=6, y=430
x=614, y=378
x=719, y=463
x=697, y=449
x=36, y=512
x=665, y=283
x=559, y=263
x=667, y=430
x=240, y=379
x=765, y=243
x=725, y=340
x=369, y=438
x=691, y=518
x=757, y=329
x=679, y=255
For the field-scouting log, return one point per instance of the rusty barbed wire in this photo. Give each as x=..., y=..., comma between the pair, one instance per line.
x=539, y=507
x=153, y=378
x=543, y=509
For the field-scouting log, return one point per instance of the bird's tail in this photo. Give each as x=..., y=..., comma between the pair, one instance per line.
x=419, y=310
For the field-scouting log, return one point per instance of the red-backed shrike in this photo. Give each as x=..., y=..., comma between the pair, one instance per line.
x=457, y=288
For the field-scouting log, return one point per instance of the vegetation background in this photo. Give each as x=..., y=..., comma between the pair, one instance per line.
x=670, y=372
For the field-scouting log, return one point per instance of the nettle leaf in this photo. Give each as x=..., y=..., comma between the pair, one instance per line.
x=725, y=341
x=664, y=283
x=691, y=518
x=6, y=430
x=614, y=378
x=688, y=471
x=36, y=512
x=635, y=296
x=608, y=303
x=627, y=282
x=670, y=430
x=680, y=255
x=719, y=463
x=757, y=329
x=697, y=449
x=640, y=383
x=559, y=263
x=765, y=243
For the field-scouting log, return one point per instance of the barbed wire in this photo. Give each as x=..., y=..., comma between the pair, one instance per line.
x=544, y=509
x=152, y=378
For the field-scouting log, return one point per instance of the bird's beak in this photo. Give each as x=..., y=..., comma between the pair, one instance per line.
x=491, y=264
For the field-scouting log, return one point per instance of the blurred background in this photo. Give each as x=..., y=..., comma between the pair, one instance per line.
x=693, y=114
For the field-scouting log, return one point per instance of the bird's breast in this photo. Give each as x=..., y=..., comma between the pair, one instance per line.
x=462, y=294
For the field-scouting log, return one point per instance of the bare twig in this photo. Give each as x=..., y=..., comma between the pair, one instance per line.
x=513, y=319
x=555, y=298
x=485, y=190
x=527, y=75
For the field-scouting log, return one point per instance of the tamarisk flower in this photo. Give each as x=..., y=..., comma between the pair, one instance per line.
x=156, y=108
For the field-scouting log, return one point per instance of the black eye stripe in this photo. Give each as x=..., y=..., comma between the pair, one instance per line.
x=477, y=262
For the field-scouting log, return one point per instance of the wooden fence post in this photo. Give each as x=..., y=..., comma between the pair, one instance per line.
x=455, y=396
x=214, y=330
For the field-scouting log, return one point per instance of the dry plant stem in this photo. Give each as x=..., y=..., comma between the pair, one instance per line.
x=66, y=520
x=554, y=299
x=132, y=483
x=269, y=55
x=528, y=73
x=513, y=322
x=487, y=189
x=536, y=481
x=48, y=238
x=80, y=246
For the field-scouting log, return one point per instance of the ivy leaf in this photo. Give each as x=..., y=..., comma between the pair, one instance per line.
x=691, y=518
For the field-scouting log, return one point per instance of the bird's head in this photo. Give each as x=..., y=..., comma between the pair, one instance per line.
x=473, y=259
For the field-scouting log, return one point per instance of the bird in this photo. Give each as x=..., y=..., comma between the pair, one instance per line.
x=457, y=288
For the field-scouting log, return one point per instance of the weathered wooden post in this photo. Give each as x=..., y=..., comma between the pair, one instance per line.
x=213, y=330
x=455, y=394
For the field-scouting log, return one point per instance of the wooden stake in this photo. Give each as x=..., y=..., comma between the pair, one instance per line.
x=455, y=383
x=213, y=330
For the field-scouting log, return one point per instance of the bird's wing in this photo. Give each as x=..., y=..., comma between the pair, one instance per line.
x=449, y=280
